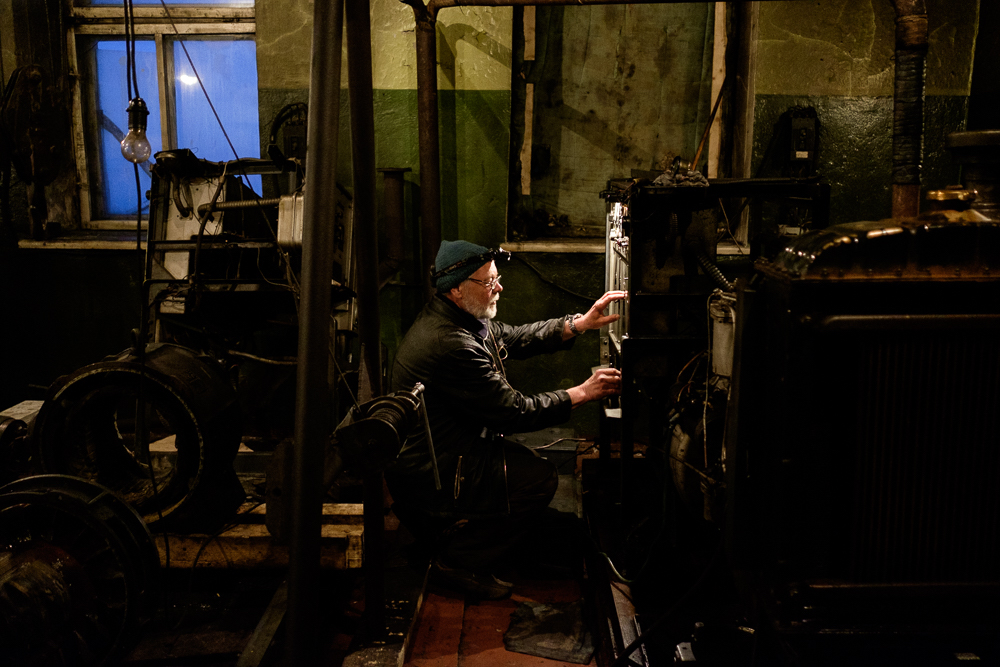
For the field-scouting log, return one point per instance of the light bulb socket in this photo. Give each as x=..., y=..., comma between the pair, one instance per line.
x=137, y=112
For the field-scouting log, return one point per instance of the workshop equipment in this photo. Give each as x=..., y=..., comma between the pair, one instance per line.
x=78, y=573
x=182, y=475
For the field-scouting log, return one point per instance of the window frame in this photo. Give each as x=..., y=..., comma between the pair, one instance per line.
x=106, y=21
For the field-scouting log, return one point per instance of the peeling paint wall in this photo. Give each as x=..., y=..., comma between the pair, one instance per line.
x=837, y=56
x=616, y=88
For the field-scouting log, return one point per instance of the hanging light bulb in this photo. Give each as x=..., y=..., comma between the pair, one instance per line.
x=135, y=145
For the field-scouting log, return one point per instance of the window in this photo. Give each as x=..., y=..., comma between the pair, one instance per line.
x=196, y=70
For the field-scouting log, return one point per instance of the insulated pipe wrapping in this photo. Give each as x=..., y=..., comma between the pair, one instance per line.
x=712, y=271
x=908, y=106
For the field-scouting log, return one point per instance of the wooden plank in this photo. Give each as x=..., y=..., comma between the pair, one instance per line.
x=250, y=546
x=350, y=514
x=263, y=635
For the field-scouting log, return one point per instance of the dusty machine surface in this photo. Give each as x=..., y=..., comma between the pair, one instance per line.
x=809, y=438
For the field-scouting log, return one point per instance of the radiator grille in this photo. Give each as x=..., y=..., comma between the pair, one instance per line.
x=926, y=487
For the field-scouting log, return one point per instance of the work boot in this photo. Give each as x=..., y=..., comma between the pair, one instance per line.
x=474, y=584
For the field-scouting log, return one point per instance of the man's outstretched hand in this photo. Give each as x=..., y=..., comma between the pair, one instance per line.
x=603, y=383
x=595, y=318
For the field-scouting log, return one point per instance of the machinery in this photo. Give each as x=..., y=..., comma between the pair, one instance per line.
x=78, y=573
x=823, y=431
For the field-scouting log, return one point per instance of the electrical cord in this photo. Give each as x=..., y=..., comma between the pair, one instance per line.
x=729, y=227
x=548, y=281
x=141, y=435
x=340, y=374
x=554, y=442
x=616, y=576
x=264, y=360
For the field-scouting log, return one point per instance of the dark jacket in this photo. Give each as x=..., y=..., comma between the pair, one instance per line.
x=470, y=405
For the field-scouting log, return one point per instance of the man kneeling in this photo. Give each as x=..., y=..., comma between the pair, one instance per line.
x=491, y=489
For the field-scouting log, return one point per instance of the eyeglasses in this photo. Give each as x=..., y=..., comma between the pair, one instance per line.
x=490, y=284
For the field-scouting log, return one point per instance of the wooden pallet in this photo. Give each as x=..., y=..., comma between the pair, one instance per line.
x=248, y=544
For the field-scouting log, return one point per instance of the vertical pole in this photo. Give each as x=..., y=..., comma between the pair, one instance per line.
x=430, y=147
x=313, y=421
x=359, y=71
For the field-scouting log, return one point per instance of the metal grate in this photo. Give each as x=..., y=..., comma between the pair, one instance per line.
x=926, y=491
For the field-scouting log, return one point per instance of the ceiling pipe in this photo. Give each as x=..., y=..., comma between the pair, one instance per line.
x=313, y=424
x=427, y=107
x=908, y=106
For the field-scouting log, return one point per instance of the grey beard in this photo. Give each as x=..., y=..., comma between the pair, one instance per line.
x=485, y=312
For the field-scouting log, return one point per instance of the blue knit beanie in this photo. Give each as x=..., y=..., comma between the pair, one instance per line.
x=451, y=253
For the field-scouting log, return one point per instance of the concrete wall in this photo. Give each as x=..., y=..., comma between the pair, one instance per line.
x=837, y=56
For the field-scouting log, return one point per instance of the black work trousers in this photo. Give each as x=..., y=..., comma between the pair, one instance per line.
x=480, y=543
x=478, y=539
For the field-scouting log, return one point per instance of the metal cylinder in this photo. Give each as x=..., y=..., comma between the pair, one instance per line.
x=979, y=154
x=908, y=106
x=722, y=338
x=430, y=148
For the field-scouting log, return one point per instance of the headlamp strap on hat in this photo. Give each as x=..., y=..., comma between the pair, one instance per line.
x=492, y=255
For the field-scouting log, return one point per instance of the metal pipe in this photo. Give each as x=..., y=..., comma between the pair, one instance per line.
x=313, y=423
x=908, y=106
x=359, y=72
x=392, y=193
x=430, y=147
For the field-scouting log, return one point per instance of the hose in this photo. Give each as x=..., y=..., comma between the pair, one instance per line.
x=712, y=271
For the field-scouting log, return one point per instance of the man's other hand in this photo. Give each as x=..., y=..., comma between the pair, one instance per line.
x=603, y=383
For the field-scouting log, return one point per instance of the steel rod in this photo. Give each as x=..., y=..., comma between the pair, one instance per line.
x=313, y=422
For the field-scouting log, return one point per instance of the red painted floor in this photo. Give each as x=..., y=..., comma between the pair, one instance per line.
x=452, y=632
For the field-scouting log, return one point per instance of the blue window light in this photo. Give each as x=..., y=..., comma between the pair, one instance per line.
x=227, y=67
x=228, y=71
x=118, y=176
